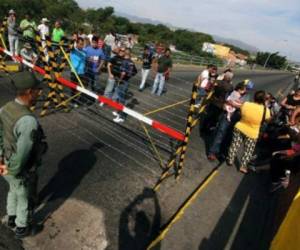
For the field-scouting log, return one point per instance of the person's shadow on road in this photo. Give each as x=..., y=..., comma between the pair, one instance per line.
x=140, y=222
x=71, y=170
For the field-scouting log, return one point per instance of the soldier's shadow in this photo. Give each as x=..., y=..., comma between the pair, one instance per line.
x=71, y=170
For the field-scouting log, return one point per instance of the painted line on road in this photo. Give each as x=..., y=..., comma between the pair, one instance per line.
x=180, y=212
x=166, y=107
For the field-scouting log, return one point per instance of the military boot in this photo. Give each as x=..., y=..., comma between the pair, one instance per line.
x=22, y=232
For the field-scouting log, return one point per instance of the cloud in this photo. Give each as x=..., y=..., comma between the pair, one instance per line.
x=272, y=25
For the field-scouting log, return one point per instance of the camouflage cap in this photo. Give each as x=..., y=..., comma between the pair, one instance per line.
x=25, y=80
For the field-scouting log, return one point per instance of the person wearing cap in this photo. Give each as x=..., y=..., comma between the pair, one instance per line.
x=13, y=38
x=20, y=137
x=28, y=54
x=43, y=29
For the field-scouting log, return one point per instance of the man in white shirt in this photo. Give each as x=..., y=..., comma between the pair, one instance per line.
x=110, y=39
x=13, y=38
x=110, y=42
x=43, y=28
x=91, y=35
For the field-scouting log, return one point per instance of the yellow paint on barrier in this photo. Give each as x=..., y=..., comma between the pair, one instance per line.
x=153, y=145
x=166, y=107
x=2, y=41
x=288, y=235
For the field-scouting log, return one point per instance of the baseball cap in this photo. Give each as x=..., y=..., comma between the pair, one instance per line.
x=27, y=45
x=25, y=80
x=45, y=20
x=249, y=84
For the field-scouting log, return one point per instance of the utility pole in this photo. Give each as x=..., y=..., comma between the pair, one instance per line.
x=266, y=62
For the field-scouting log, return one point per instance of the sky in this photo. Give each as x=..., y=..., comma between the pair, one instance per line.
x=269, y=25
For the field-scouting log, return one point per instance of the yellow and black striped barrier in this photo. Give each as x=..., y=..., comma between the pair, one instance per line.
x=52, y=95
x=58, y=69
x=2, y=32
x=176, y=163
x=43, y=56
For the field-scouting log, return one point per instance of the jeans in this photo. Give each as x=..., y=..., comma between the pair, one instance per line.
x=92, y=78
x=13, y=44
x=210, y=118
x=159, y=83
x=73, y=92
x=109, y=89
x=222, y=129
x=44, y=45
x=120, y=94
x=17, y=200
x=201, y=93
x=145, y=73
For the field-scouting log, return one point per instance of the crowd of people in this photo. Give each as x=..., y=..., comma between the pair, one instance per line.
x=259, y=131
x=92, y=54
x=24, y=33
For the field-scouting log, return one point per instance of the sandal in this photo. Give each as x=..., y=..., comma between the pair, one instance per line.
x=244, y=170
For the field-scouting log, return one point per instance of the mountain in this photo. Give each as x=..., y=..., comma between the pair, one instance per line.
x=219, y=39
x=236, y=43
x=136, y=19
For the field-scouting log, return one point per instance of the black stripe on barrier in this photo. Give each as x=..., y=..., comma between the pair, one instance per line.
x=176, y=162
x=51, y=97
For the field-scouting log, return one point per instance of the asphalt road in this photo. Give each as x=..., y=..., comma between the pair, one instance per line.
x=96, y=179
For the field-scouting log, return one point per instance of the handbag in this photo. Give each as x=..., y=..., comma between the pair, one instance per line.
x=236, y=116
x=262, y=127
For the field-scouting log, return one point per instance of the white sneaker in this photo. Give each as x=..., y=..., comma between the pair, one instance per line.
x=101, y=104
x=115, y=113
x=197, y=105
x=118, y=119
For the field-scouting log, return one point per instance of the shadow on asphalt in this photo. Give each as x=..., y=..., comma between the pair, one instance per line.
x=247, y=221
x=140, y=222
x=71, y=170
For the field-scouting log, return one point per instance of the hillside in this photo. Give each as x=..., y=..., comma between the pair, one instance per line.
x=105, y=19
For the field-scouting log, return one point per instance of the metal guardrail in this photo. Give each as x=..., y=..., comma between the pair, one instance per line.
x=179, y=58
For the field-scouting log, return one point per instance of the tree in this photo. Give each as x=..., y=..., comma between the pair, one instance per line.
x=273, y=60
x=103, y=20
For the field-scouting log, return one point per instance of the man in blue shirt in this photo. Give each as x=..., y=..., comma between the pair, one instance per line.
x=94, y=62
x=78, y=60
